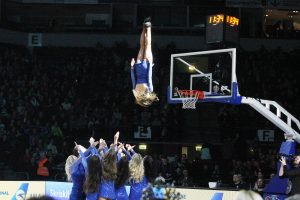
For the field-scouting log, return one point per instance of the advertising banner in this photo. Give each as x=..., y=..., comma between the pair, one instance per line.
x=19, y=190
x=62, y=190
x=58, y=190
x=194, y=194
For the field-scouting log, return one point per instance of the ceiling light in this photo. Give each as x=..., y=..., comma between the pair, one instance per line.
x=191, y=67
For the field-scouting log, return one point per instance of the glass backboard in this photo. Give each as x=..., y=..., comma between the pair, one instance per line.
x=210, y=71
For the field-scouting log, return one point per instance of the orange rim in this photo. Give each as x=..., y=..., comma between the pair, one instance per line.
x=192, y=93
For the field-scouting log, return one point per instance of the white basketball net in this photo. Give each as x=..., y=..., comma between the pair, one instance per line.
x=189, y=98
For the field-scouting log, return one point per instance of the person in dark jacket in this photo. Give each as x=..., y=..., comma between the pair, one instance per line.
x=293, y=174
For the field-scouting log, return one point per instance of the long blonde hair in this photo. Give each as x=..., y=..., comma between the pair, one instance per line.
x=145, y=98
x=136, y=168
x=70, y=160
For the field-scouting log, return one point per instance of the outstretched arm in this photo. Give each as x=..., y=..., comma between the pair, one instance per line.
x=282, y=166
x=283, y=172
x=84, y=162
x=75, y=165
x=88, y=151
x=80, y=160
x=127, y=154
x=132, y=73
x=116, y=138
x=119, y=154
x=130, y=148
x=150, y=84
x=105, y=150
x=92, y=149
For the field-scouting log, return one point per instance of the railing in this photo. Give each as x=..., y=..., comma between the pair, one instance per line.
x=264, y=107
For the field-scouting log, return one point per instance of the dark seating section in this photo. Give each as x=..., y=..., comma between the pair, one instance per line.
x=50, y=97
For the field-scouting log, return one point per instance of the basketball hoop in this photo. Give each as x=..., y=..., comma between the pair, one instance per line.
x=190, y=97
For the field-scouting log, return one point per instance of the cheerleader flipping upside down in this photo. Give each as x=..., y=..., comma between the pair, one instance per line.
x=141, y=69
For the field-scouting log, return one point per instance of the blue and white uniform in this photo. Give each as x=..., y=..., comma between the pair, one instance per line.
x=92, y=196
x=141, y=73
x=78, y=178
x=136, y=189
x=107, y=189
x=90, y=152
x=121, y=193
x=78, y=174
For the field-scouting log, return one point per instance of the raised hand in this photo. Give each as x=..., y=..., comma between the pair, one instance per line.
x=132, y=62
x=116, y=137
x=95, y=143
x=129, y=147
x=102, y=144
x=282, y=160
x=120, y=147
x=112, y=146
x=91, y=141
x=79, y=147
x=76, y=146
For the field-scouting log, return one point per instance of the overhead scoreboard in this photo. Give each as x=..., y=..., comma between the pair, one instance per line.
x=222, y=28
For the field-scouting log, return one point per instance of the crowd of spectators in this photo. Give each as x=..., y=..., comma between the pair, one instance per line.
x=282, y=29
x=50, y=97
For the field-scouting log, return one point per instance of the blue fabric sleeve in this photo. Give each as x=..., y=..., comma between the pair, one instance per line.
x=133, y=78
x=88, y=151
x=119, y=156
x=105, y=149
x=81, y=160
x=150, y=84
x=75, y=165
x=84, y=162
x=132, y=152
x=94, y=151
x=127, y=154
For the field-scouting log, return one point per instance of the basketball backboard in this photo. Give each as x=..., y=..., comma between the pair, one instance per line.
x=213, y=72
